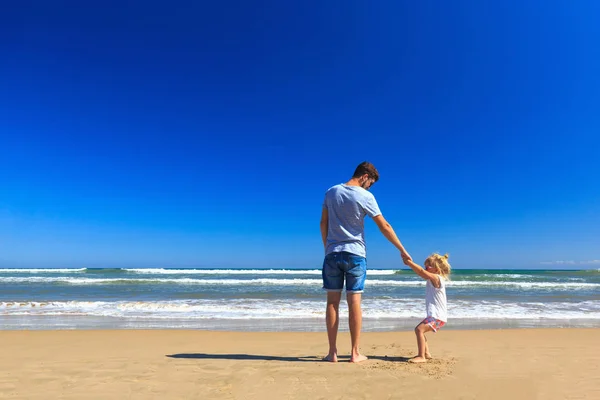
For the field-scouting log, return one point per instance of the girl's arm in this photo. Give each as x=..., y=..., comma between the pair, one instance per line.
x=423, y=273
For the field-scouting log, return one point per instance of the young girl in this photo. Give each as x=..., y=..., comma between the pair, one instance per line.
x=436, y=273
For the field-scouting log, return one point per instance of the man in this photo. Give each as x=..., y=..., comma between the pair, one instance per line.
x=342, y=230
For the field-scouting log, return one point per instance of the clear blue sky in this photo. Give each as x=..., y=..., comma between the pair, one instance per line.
x=204, y=134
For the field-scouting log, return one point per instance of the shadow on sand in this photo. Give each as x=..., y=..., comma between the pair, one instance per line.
x=255, y=357
x=204, y=356
x=390, y=358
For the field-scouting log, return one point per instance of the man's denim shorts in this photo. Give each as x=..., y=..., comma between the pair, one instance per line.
x=341, y=266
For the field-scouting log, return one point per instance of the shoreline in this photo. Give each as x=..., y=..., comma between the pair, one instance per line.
x=87, y=323
x=138, y=364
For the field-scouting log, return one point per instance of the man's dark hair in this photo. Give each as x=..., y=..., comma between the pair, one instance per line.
x=366, y=168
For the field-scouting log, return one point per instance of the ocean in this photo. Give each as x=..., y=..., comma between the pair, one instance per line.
x=287, y=299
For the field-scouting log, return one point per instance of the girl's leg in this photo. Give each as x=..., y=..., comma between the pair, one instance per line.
x=427, y=353
x=420, y=331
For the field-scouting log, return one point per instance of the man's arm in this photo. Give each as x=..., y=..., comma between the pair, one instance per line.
x=324, y=226
x=387, y=231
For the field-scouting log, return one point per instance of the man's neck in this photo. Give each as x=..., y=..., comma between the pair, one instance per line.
x=353, y=182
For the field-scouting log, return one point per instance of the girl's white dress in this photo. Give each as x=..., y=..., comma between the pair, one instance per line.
x=435, y=300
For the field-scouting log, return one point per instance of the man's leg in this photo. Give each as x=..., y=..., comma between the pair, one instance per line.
x=332, y=320
x=355, y=322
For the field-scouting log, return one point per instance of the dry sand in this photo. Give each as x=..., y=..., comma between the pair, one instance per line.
x=176, y=364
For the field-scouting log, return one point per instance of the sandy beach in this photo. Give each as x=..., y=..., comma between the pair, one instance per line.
x=184, y=364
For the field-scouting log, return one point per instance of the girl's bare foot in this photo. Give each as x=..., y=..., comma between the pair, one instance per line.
x=418, y=359
x=358, y=358
x=428, y=356
x=330, y=358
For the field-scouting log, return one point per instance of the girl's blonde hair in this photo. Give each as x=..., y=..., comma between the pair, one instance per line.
x=441, y=263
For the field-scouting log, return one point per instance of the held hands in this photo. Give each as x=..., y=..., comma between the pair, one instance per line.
x=405, y=257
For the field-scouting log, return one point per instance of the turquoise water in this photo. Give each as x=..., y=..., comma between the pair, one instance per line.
x=238, y=299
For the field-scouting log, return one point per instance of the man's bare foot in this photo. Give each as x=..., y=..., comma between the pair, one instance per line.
x=418, y=359
x=428, y=356
x=358, y=358
x=330, y=358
